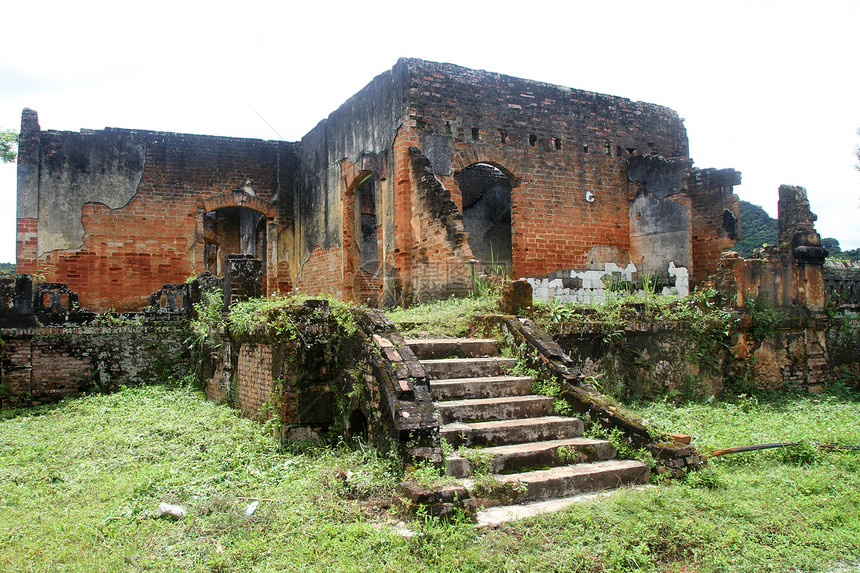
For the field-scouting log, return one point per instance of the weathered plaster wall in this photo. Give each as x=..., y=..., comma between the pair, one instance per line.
x=360, y=133
x=597, y=286
x=79, y=168
x=120, y=212
x=659, y=215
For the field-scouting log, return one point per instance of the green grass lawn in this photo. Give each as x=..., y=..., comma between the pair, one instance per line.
x=80, y=483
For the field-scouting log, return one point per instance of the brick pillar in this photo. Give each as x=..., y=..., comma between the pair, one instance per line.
x=796, y=224
x=29, y=154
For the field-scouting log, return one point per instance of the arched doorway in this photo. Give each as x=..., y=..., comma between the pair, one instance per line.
x=486, y=192
x=233, y=230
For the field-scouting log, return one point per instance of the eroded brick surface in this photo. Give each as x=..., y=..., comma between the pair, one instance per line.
x=590, y=179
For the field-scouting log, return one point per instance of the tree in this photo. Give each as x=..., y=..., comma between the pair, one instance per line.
x=758, y=229
x=8, y=145
x=832, y=245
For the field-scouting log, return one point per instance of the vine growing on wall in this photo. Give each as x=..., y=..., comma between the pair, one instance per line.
x=700, y=322
x=764, y=317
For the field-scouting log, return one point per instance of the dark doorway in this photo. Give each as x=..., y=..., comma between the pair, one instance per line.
x=367, y=213
x=486, y=192
x=232, y=230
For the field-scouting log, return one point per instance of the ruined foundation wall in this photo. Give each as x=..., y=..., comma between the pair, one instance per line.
x=646, y=359
x=780, y=293
x=40, y=365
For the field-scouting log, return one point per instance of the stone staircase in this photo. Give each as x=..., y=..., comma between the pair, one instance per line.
x=493, y=419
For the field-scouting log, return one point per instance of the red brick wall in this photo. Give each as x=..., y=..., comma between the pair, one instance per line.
x=279, y=281
x=711, y=194
x=322, y=273
x=16, y=370
x=56, y=374
x=157, y=237
x=26, y=247
x=46, y=364
x=259, y=393
x=558, y=144
x=37, y=370
x=253, y=379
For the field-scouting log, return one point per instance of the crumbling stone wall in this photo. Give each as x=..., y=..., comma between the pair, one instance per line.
x=843, y=340
x=326, y=376
x=715, y=217
x=45, y=364
x=117, y=213
x=780, y=293
x=643, y=358
x=842, y=283
x=440, y=262
x=567, y=154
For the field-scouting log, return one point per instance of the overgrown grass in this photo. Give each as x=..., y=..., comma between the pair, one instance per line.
x=445, y=318
x=79, y=484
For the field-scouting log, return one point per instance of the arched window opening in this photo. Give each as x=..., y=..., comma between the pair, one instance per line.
x=366, y=198
x=486, y=192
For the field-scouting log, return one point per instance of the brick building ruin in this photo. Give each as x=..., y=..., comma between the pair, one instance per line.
x=428, y=173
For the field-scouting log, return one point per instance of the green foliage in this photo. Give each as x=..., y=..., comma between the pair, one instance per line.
x=112, y=319
x=705, y=478
x=208, y=315
x=619, y=441
x=489, y=284
x=276, y=314
x=555, y=311
x=759, y=229
x=427, y=474
x=765, y=318
x=542, y=383
x=8, y=145
x=80, y=481
x=832, y=246
x=7, y=268
x=449, y=318
x=849, y=255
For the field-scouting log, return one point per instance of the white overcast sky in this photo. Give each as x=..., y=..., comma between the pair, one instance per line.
x=770, y=88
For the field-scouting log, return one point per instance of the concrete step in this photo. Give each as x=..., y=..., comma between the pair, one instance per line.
x=485, y=387
x=492, y=516
x=481, y=409
x=435, y=348
x=438, y=369
x=578, y=478
x=519, y=457
x=501, y=432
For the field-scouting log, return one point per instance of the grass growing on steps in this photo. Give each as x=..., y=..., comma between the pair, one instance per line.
x=445, y=318
x=79, y=483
